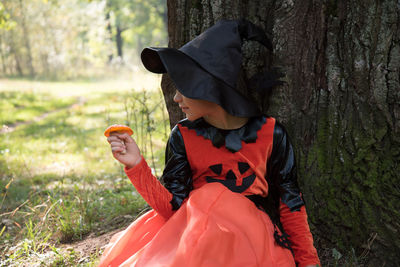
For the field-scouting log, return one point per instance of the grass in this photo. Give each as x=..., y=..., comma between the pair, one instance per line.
x=58, y=180
x=24, y=106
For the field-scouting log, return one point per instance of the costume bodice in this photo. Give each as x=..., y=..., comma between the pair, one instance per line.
x=242, y=171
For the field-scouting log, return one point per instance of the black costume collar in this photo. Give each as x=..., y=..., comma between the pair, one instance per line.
x=231, y=138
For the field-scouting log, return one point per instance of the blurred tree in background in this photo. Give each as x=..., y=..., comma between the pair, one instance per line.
x=142, y=22
x=76, y=38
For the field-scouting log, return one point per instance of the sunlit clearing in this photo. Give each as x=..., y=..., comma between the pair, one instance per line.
x=137, y=81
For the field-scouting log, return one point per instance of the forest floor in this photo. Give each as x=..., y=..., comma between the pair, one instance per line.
x=62, y=194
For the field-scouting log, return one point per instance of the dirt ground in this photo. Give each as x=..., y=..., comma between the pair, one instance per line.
x=91, y=246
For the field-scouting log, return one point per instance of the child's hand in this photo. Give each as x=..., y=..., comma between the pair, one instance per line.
x=123, y=142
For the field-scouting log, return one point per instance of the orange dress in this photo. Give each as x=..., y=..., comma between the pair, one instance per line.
x=216, y=225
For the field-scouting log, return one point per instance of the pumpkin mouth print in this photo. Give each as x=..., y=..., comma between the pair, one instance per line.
x=230, y=177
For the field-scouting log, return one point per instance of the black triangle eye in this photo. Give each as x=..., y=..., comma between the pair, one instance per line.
x=243, y=167
x=230, y=175
x=217, y=168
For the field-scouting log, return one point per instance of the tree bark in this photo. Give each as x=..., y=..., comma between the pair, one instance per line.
x=340, y=105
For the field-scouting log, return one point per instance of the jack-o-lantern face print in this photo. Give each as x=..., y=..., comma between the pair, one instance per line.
x=231, y=178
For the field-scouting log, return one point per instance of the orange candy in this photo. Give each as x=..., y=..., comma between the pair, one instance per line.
x=118, y=128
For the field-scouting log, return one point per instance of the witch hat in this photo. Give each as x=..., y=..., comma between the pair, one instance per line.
x=208, y=67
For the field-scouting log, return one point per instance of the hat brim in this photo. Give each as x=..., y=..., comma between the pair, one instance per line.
x=194, y=82
x=152, y=61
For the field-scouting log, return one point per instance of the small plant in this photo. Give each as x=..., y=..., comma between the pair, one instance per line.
x=146, y=112
x=336, y=255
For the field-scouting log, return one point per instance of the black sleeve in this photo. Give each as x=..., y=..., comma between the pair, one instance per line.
x=281, y=171
x=177, y=175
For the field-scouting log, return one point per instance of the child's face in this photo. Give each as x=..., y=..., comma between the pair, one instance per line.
x=194, y=108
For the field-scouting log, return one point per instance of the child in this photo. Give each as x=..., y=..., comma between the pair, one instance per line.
x=229, y=193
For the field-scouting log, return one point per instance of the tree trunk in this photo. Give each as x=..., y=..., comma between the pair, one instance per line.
x=3, y=57
x=26, y=40
x=341, y=106
x=18, y=67
x=17, y=59
x=109, y=31
x=118, y=39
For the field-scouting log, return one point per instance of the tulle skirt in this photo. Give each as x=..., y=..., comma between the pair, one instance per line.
x=213, y=228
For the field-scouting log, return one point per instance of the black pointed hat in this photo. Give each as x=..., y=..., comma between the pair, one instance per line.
x=208, y=67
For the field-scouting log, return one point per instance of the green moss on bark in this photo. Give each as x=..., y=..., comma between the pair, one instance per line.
x=354, y=186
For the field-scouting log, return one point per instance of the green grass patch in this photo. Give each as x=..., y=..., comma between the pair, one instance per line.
x=18, y=106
